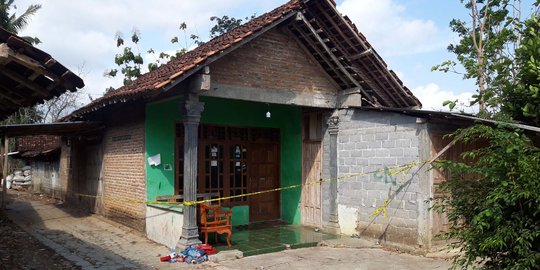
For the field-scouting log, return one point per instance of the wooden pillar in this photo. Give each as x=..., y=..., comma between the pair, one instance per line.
x=192, y=116
x=4, y=172
x=333, y=128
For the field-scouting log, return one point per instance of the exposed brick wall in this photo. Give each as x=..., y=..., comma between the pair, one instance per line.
x=272, y=61
x=124, y=171
x=368, y=141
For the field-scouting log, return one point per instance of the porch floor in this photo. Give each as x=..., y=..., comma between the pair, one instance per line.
x=266, y=238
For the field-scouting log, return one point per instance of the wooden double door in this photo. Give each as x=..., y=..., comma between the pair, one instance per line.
x=235, y=161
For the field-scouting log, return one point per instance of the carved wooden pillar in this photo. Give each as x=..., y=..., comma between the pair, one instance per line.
x=192, y=117
x=333, y=128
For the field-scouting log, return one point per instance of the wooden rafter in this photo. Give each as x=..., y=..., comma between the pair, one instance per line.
x=308, y=52
x=38, y=69
x=360, y=53
x=344, y=69
x=301, y=17
x=34, y=87
x=389, y=81
x=335, y=27
x=317, y=51
x=374, y=59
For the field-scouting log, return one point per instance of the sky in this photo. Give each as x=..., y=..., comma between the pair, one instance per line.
x=410, y=35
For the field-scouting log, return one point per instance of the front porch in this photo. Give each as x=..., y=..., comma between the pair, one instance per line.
x=267, y=237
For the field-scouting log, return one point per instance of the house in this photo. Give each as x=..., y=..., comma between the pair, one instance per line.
x=28, y=76
x=41, y=153
x=292, y=97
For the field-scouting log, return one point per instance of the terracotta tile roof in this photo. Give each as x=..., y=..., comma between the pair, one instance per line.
x=150, y=83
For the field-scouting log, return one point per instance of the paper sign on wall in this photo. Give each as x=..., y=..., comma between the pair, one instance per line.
x=154, y=160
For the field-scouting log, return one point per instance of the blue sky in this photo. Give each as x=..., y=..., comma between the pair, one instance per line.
x=410, y=35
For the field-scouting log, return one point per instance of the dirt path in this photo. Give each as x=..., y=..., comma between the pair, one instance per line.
x=53, y=237
x=19, y=250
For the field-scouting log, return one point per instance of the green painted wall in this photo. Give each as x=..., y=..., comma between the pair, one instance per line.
x=160, y=121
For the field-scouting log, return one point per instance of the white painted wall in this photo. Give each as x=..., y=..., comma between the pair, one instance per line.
x=163, y=226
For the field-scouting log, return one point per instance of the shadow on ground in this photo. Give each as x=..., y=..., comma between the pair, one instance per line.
x=72, y=233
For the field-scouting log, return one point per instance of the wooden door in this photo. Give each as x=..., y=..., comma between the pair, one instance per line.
x=310, y=207
x=264, y=175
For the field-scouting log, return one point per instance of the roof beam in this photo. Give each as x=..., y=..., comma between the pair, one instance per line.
x=334, y=25
x=39, y=69
x=362, y=54
x=24, y=81
x=289, y=31
x=317, y=51
x=303, y=19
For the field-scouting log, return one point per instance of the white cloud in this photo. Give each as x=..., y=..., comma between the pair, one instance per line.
x=432, y=97
x=387, y=28
x=83, y=31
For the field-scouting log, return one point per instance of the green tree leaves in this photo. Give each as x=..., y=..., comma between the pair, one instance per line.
x=522, y=101
x=225, y=24
x=13, y=23
x=492, y=200
x=130, y=61
x=485, y=49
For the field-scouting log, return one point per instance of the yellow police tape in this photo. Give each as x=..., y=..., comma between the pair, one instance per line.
x=391, y=171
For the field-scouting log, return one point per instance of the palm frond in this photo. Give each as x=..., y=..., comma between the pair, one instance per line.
x=18, y=23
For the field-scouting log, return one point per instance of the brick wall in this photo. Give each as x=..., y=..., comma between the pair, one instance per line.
x=124, y=171
x=272, y=61
x=368, y=141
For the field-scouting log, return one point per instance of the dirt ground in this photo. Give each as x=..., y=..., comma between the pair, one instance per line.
x=19, y=250
x=92, y=243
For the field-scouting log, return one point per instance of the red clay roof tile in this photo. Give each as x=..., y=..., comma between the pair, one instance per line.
x=150, y=83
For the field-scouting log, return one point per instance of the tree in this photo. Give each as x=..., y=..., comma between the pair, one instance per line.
x=522, y=100
x=54, y=109
x=27, y=115
x=486, y=49
x=492, y=200
x=225, y=24
x=14, y=23
x=492, y=197
x=130, y=60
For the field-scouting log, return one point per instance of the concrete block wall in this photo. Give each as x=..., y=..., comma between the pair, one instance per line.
x=367, y=142
x=124, y=172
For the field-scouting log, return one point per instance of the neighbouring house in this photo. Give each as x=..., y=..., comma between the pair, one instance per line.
x=28, y=76
x=293, y=96
x=42, y=154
